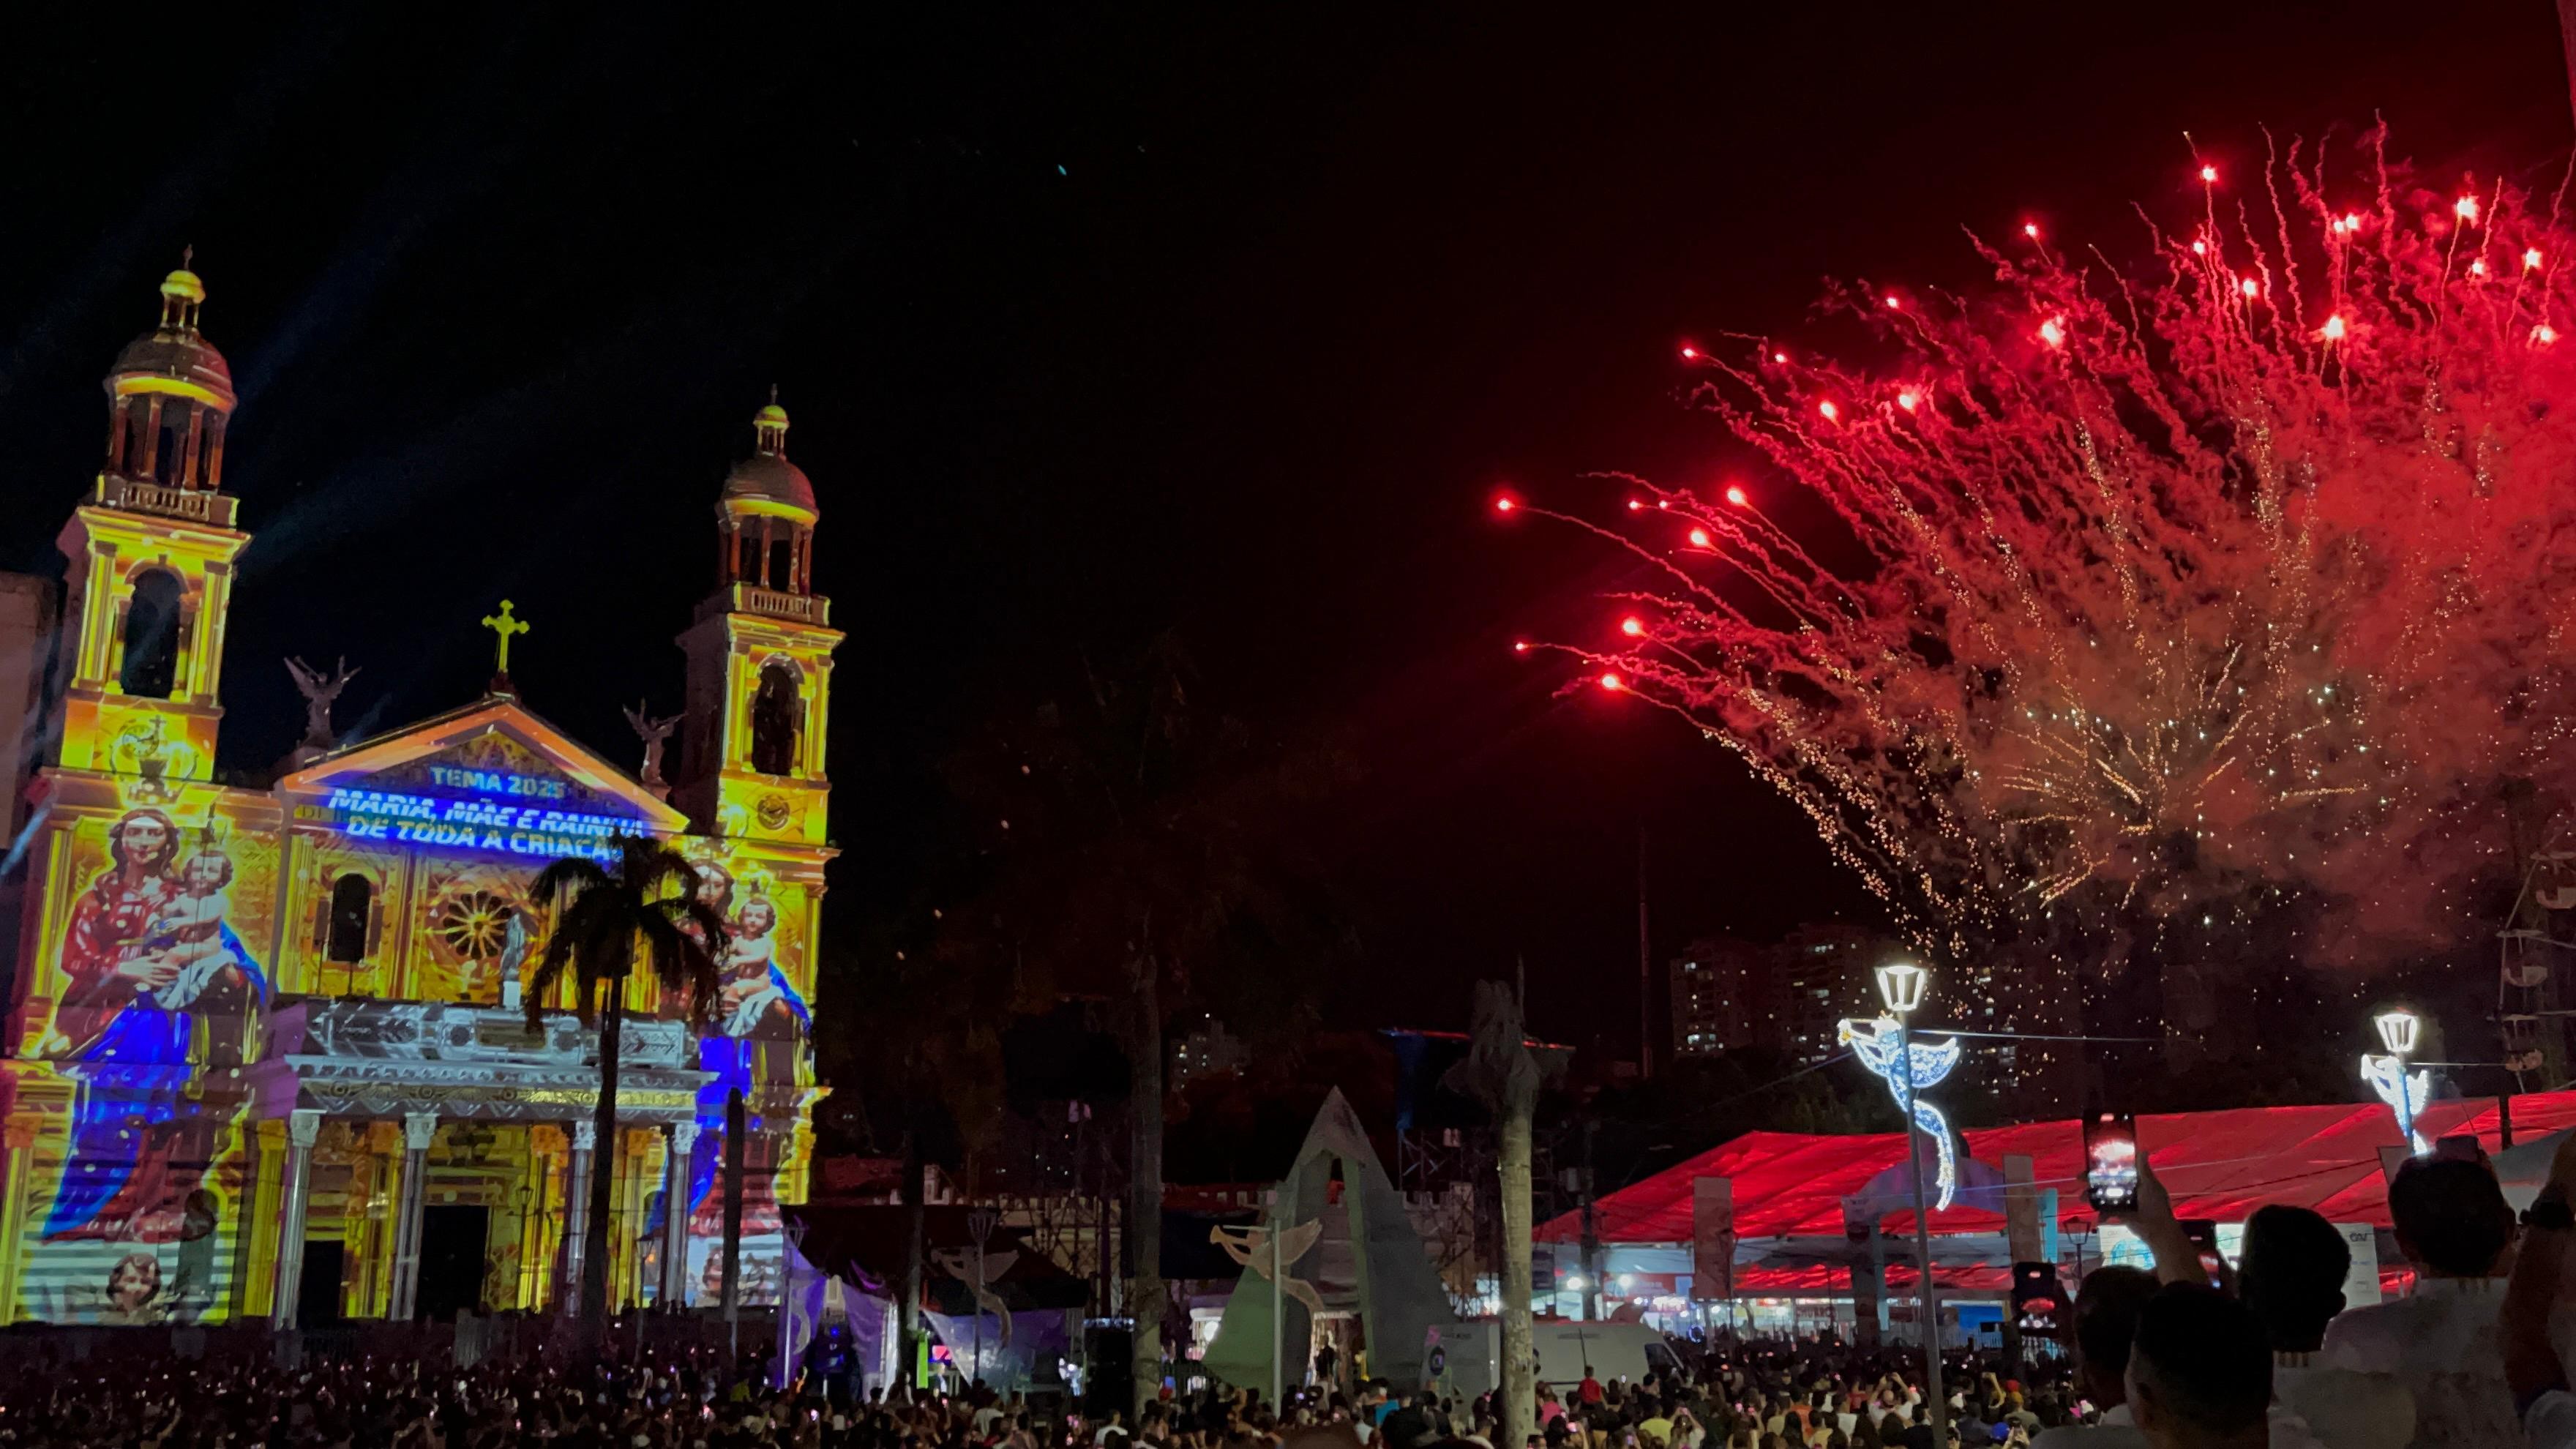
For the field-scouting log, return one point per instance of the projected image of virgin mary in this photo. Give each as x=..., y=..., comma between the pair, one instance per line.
x=155, y=982
x=752, y=1042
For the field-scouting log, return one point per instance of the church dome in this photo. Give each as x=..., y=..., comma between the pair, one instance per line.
x=175, y=349
x=766, y=476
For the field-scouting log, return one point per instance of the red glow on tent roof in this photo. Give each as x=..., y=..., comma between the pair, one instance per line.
x=2219, y=1165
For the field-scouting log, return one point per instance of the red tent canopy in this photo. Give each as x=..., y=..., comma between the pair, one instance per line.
x=1809, y=1280
x=2219, y=1165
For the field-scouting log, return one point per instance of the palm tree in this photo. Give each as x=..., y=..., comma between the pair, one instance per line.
x=1149, y=849
x=1503, y=1073
x=599, y=914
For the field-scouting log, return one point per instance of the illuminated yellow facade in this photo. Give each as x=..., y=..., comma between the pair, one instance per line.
x=267, y=1055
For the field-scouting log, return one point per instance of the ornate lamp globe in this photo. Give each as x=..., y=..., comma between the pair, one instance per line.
x=2397, y=1029
x=1901, y=985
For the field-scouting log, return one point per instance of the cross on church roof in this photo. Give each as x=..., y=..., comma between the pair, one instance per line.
x=506, y=626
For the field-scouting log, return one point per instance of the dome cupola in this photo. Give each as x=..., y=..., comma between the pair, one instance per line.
x=767, y=515
x=169, y=397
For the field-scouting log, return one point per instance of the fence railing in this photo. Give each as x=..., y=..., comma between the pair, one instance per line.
x=470, y=1339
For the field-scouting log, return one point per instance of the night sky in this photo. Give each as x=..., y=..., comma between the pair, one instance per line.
x=1093, y=327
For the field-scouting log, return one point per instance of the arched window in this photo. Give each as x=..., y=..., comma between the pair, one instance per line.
x=151, y=667
x=352, y=896
x=775, y=714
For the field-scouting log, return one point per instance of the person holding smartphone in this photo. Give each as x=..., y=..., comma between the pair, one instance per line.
x=2293, y=1276
x=2454, y=1226
x=2182, y=1256
x=2532, y=1367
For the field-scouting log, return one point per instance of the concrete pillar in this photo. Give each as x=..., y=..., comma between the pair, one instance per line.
x=303, y=1125
x=418, y=1129
x=585, y=1137
x=2021, y=1238
x=1869, y=1288
x=680, y=1142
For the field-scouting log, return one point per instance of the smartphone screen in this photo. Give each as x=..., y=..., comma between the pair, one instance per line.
x=2203, y=1233
x=2464, y=1147
x=2111, y=1162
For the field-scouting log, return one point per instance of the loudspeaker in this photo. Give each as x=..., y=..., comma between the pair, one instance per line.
x=1108, y=1370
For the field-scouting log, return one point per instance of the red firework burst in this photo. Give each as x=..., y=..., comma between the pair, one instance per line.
x=2251, y=562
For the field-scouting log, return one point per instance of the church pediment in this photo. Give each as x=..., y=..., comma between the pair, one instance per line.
x=491, y=767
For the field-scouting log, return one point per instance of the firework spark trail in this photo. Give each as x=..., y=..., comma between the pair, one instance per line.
x=2249, y=563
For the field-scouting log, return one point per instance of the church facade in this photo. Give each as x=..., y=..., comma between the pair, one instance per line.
x=266, y=1052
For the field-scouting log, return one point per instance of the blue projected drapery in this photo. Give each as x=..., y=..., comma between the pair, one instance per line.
x=730, y=1060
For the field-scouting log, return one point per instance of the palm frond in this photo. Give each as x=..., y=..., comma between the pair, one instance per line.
x=572, y=874
x=680, y=959
x=550, y=969
x=586, y=937
x=647, y=866
x=644, y=894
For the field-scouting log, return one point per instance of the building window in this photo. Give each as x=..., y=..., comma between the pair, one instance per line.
x=151, y=666
x=352, y=896
x=774, y=711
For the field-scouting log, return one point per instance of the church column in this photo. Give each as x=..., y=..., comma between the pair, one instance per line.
x=214, y=476
x=151, y=441
x=679, y=1142
x=303, y=1125
x=189, y=449
x=418, y=1129
x=585, y=1136
x=21, y=1160
x=118, y=425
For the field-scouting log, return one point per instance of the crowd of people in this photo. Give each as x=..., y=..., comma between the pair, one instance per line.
x=2194, y=1355
x=1752, y=1395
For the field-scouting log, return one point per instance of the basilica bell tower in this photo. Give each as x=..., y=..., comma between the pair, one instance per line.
x=760, y=659
x=151, y=555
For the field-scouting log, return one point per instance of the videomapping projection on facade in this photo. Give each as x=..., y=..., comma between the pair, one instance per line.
x=267, y=1055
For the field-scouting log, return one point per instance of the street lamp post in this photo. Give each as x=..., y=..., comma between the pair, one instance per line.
x=980, y=1221
x=1901, y=985
x=2388, y=1075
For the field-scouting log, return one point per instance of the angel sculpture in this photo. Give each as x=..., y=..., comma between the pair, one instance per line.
x=319, y=692
x=652, y=732
x=959, y=1263
x=2402, y=1090
x=1875, y=1043
x=1250, y=1247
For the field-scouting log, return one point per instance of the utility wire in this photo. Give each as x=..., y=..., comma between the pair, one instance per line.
x=2027, y=1035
